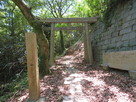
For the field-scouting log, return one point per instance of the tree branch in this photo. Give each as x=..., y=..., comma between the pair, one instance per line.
x=52, y=9
x=66, y=9
x=25, y=10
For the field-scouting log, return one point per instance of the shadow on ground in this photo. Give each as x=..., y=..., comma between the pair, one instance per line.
x=74, y=81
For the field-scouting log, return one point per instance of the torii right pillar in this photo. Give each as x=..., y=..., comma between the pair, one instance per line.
x=88, y=56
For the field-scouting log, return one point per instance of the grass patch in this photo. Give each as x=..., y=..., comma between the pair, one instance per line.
x=11, y=88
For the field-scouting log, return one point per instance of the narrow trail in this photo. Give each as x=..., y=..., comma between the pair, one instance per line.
x=74, y=81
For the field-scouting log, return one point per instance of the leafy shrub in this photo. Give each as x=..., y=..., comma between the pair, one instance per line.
x=12, y=57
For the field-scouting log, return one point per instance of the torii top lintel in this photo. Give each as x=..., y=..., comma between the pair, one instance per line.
x=70, y=20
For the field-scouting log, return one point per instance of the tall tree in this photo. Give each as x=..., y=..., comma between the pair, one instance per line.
x=42, y=41
x=58, y=8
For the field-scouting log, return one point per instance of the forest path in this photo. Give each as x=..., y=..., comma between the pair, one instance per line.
x=74, y=78
x=74, y=81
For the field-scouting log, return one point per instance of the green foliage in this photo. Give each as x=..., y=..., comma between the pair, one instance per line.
x=12, y=56
x=70, y=37
x=12, y=46
x=90, y=8
x=58, y=8
x=13, y=88
x=102, y=8
x=97, y=7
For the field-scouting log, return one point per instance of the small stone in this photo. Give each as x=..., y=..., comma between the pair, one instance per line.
x=132, y=74
x=105, y=67
x=67, y=99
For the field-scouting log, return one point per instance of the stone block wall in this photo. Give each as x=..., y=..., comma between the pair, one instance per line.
x=120, y=36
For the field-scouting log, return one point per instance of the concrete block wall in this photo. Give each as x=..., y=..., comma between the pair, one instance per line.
x=120, y=36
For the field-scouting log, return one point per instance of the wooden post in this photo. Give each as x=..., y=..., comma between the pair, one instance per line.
x=32, y=66
x=89, y=46
x=52, y=44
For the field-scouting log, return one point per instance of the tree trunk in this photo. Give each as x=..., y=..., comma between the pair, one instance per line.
x=42, y=41
x=43, y=54
x=62, y=42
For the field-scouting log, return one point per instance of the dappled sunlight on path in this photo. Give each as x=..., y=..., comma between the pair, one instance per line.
x=74, y=81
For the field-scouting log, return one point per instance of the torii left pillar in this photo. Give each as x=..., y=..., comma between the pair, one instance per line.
x=52, y=44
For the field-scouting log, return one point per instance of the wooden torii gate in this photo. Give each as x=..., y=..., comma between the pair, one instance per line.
x=87, y=43
x=32, y=53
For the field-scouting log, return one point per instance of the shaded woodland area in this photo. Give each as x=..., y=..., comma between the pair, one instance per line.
x=20, y=17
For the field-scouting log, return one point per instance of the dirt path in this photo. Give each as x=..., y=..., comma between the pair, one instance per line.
x=74, y=81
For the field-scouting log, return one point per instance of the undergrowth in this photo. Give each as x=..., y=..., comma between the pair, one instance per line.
x=13, y=88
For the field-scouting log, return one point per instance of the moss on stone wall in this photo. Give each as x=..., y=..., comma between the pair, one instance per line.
x=111, y=7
